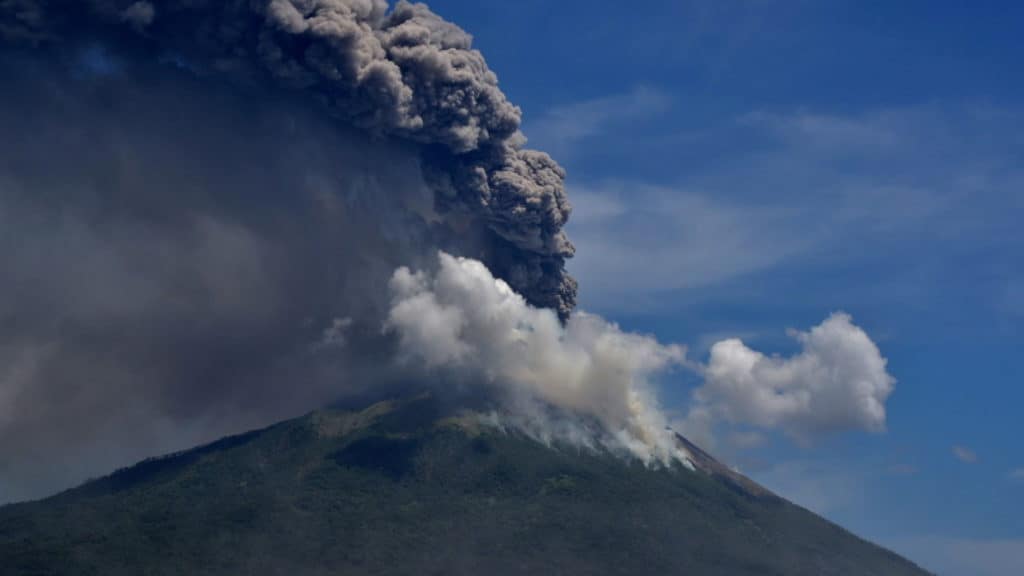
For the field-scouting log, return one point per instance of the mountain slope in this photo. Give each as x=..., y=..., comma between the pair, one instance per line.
x=400, y=488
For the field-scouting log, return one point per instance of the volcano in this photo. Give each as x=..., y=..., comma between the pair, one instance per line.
x=414, y=486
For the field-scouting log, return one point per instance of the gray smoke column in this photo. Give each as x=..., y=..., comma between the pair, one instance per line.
x=403, y=73
x=202, y=204
x=584, y=381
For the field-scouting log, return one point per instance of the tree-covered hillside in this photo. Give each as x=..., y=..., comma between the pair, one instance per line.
x=404, y=488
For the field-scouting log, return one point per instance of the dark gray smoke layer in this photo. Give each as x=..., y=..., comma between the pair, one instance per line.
x=404, y=73
x=201, y=204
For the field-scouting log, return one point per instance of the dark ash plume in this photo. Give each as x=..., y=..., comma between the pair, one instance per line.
x=405, y=73
x=202, y=203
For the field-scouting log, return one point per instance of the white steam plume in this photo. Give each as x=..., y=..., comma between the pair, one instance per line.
x=463, y=319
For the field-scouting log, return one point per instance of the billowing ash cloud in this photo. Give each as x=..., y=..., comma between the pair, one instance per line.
x=202, y=203
x=837, y=382
x=464, y=320
x=403, y=73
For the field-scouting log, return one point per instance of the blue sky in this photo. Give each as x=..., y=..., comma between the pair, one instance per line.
x=743, y=168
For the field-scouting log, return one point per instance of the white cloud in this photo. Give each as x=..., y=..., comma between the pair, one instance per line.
x=1017, y=474
x=963, y=454
x=800, y=188
x=837, y=382
x=559, y=129
x=893, y=177
x=636, y=240
x=464, y=320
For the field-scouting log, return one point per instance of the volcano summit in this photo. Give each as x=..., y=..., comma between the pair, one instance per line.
x=415, y=487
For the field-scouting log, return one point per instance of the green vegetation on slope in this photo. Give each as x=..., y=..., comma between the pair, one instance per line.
x=397, y=489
